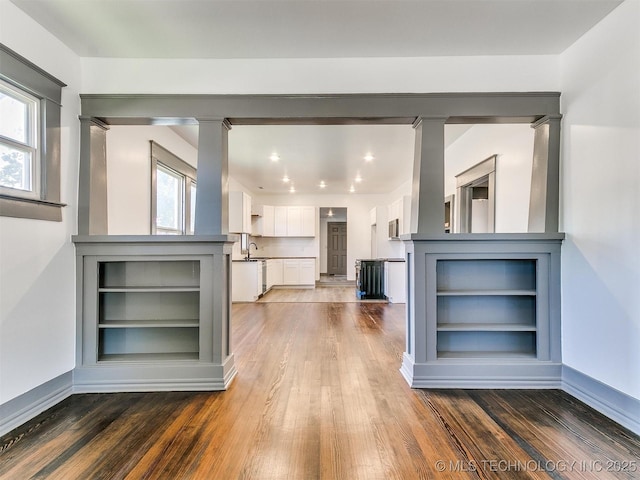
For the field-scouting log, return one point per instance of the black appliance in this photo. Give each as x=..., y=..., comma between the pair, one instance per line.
x=370, y=279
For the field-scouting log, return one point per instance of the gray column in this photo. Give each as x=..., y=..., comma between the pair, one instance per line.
x=427, y=196
x=212, y=200
x=545, y=181
x=92, y=188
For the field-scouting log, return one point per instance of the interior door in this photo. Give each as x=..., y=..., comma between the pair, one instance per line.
x=337, y=248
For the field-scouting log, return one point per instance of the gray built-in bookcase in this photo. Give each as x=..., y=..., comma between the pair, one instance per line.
x=486, y=308
x=148, y=310
x=490, y=306
x=146, y=314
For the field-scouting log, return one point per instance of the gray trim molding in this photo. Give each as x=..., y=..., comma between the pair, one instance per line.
x=26, y=76
x=135, y=109
x=23, y=408
x=612, y=403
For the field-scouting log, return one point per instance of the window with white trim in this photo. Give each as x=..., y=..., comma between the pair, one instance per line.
x=173, y=192
x=19, y=143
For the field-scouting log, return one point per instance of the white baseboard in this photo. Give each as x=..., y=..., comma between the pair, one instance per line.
x=612, y=403
x=23, y=408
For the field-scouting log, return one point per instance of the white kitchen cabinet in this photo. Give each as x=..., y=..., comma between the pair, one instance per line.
x=395, y=282
x=246, y=281
x=308, y=222
x=274, y=272
x=239, y=212
x=285, y=221
x=291, y=271
x=401, y=210
x=405, y=218
x=307, y=275
x=262, y=221
x=280, y=221
x=294, y=221
x=268, y=221
x=299, y=271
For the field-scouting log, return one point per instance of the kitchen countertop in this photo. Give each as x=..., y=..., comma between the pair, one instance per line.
x=270, y=258
x=381, y=259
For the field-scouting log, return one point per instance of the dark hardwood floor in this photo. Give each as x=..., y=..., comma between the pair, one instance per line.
x=318, y=395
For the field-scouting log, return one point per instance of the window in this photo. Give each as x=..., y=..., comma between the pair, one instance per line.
x=173, y=193
x=19, y=153
x=29, y=139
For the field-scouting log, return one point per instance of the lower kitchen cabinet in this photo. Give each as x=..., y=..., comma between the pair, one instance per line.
x=395, y=282
x=299, y=271
x=246, y=281
x=274, y=272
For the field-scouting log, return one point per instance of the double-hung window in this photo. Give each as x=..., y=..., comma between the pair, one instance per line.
x=173, y=191
x=30, y=157
x=19, y=143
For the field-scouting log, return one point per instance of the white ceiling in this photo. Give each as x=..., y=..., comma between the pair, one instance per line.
x=315, y=28
x=310, y=154
x=330, y=153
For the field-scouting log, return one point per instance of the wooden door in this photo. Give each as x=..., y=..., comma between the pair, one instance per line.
x=337, y=248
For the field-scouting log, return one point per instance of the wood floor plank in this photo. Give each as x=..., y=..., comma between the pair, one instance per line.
x=318, y=395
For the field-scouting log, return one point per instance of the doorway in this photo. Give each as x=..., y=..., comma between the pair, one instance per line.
x=336, y=248
x=476, y=192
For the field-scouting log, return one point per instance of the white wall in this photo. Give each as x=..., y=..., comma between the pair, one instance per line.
x=37, y=278
x=601, y=201
x=129, y=174
x=322, y=75
x=513, y=144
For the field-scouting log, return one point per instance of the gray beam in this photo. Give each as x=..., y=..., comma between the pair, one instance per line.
x=212, y=199
x=545, y=176
x=427, y=193
x=364, y=108
x=92, y=188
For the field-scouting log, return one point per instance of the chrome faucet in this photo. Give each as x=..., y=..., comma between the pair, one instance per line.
x=249, y=250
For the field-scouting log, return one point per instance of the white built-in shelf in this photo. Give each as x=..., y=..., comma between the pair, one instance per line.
x=460, y=293
x=486, y=327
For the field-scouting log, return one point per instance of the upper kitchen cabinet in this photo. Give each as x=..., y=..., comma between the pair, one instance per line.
x=280, y=221
x=301, y=222
x=294, y=221
x=289, y=221
x=308, y=221
x=401, y=210
x=263, y=221
x=239, y=212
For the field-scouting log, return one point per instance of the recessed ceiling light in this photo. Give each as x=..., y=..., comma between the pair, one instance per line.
x=285, y=179
x=292, y=190
x=358, y=179
x=368, y=157
x=322, y=184
x=274, y=157
x=352, y=189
